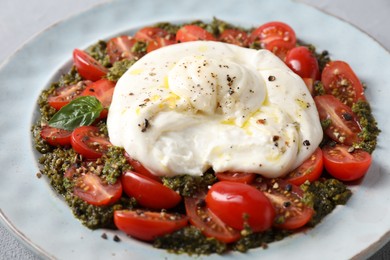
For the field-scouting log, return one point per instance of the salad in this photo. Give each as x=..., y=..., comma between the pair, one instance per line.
x=106, y=186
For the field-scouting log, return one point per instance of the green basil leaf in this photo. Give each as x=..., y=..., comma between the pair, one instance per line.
x=79, y=112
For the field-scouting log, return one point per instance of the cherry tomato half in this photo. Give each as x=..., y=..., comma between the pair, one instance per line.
x=269, y=32
x=146, y=225
x=286, y=199
x=237, y=203
x=343, y=126
x=346, y=165
x=121, y=48
x=139, y=168
x=341, y=81
x=88, y=67
x=159, y=43
x=103, y=90
x=63, y=95
x=148, y=34
x=148, y=192
x=206, y=221
x=234, y=36
x=189, y=33
x=56, y=136
x=309, y=170
x=87, y=141
x=302, y=61
x=90, y=188
x=243, y=177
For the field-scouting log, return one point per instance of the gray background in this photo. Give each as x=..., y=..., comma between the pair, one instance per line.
x=20, y=20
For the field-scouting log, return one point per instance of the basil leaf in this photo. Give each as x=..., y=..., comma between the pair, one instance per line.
x=79, y=112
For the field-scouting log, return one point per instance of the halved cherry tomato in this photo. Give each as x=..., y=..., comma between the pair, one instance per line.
x=309, y=82
x=87, y=141
x=121, y=48
x=146, y=225
x=309, y=170
x=56, y=136
x=90, y=188
x=88, y=67
x=234, y=36
x=63, y=95
x=302, y=61
x=344, y=126
x=205, y=220
x=280, y=48
x=189, y=33
x=148, y=192
x=346, y=165
x=286, y=198
x=139, y=168
x=103, y=90
x=340, y=81
x=243, y=177
x=237, y=204
x=148, y=34
x=269, y=32
x=159, y=43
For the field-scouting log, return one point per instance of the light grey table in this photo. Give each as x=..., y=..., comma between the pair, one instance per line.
x=20, y=20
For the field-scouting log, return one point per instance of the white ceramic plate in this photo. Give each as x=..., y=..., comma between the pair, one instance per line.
x=41, y=219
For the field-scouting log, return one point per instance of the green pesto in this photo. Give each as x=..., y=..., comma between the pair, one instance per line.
x=114, y=164
x=323, y=196
x=216, y=27
x=169, y=27
x=39, y=144
x=118, y=69
x=139, y=47
x=98, y=51
x=370, y=130
x=319, y=89
x=190, y=240
x=187, y=185
x=326, y=123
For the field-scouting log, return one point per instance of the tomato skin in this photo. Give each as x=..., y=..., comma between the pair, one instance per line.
x=159, y=43
x=147, y=225
x=302, y=61
x=310, y=170
x=344, y=127
x=148, y=192
x=231, y=201
x=103, y=90
x=63, y=95
x=280, y=48
x=269, y=32
x=139, y=168
x=189, y=33
x=286, y=198
x=88, y=67
x=206, y=221
x=234, y=36
x=148, y=34
x=55, y=136
x=90, y=188
x=87, y=141
x=341, y=81
x=243, y=177
x=120, y=48
x=344, y=165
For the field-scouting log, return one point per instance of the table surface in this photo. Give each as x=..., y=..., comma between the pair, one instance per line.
x=372, y=17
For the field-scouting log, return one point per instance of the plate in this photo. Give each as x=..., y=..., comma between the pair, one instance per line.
x=44, y=222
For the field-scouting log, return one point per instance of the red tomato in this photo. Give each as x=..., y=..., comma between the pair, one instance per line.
x=148, y=192
x=205, y=220
x=139, y=168
x=189, y=33
x=243, y=177
x=90, y=188
x=103, y=90
x=149, y=34
x=302, y=61
x=340, y=81
x=88, y=67
x=87, y=141
x=280, y=48
x=344, y=165
x=159, y=43
x=286, y=199
x=234, y=36
x=344, y=127
x=146, y=225
x=63, y=95
x=272, y=31
x=121, y=48
x=309, y=170
x=56, y=136
x=233, y=202
x=309, y=82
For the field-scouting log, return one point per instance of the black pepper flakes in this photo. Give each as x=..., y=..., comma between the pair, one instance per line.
x=306, y=143
x=347, y=116
x=271, y=78
x=104, y=236
x=116, y=238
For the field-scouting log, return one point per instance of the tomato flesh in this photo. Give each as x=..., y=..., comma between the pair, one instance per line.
x=310, y=170
x=302, y=61
x=243, y=177
x=269, y=32
x=234, y=36
x=87, y=141
x=90, y=188
x=148, y=192
x=87, y=66
x=63, y=95
x=56, y=136
x=206, y=221
x=149, y=34
x=237, y=204
x=139, y=168
x=147, y=225
x=346, y=164
x=121, y=48
x=189, y=33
